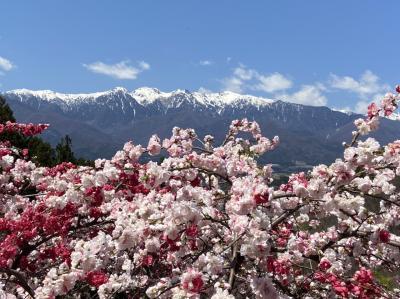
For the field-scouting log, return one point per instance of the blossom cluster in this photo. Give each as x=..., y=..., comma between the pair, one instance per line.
x=24, y=129
x=205, y=222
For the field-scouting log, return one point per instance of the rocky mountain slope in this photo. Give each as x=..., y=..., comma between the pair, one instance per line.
x=99, y=123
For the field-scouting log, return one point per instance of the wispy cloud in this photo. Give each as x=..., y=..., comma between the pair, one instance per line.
x=246, y=78
x=144, y=65
x=273, y=83
x=120, y=70
x=361, y=91
x=244, y=73
x=362, y=105
x=206, y=62
x=204, y=90
x=5, y=64
x=233, y=84
x=368, y=84
x=367, y=88
x=307, y=95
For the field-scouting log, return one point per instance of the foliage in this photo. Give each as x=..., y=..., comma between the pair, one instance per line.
x=6, y=113
x=205, y=222
x=385, y=278
x=38, y=150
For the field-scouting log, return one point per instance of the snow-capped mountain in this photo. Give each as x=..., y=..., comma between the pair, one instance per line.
x=99, y=123
x=144, y=96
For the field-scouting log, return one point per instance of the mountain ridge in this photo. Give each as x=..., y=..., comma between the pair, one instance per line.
x=143, y=95
x=99, y=123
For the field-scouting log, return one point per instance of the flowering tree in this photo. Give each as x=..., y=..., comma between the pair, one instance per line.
x=203, y=223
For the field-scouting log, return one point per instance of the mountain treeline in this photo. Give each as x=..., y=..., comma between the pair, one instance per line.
x=39, y=151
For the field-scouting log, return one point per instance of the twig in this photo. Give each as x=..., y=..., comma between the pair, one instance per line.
x=21, y=280
x=285, y=214
x=233, y=266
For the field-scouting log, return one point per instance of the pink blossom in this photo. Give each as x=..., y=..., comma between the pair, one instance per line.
x=154, y=146
x=204, y=222
x=192, y=281
x=96, y=278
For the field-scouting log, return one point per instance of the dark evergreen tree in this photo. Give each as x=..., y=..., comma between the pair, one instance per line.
x=40, y=151
x=6, y=114
x=64, y=151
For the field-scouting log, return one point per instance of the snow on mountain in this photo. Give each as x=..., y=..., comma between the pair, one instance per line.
x=230, y=98
x=146, y=96
x=394, y=116
x=346, y=111
x=49, y=95
x=99, y=123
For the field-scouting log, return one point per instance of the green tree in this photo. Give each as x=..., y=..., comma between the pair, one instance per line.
x=40, y=151
x=64, y=151
x=6, y=114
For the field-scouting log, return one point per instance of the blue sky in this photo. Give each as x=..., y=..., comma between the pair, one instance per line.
x=338, y=53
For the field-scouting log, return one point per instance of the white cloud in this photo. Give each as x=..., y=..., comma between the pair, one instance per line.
x=367, y=85
x=244, y=73
x=307, y=95
x=245, y=78
x=362, y=105
x=120, y=70
x=204, y=90
x=272, y=83
x=5, y=64
x=233, y=84
x=367, y=88
x=206, y=62
x=144, y=65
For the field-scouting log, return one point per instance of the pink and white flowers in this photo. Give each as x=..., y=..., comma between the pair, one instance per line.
x=204, y=223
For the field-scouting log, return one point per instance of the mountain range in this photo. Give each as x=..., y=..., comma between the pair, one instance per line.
x=100, y=123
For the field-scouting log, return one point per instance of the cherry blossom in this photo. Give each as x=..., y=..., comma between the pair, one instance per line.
x=206, y=222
